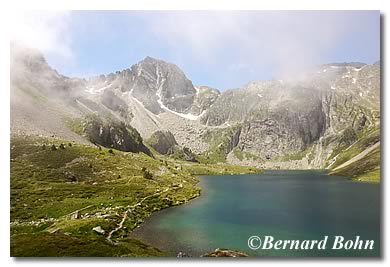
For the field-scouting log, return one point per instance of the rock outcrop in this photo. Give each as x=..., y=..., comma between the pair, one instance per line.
x=113, y=134
x=225, y=253
x=162, y=141
x=165, y=143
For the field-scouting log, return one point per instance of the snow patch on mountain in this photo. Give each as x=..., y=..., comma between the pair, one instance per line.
x=93, y=91
x=187, y=116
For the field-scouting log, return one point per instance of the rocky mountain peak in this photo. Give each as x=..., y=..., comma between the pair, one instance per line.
x=161, y=86
x=151, y=60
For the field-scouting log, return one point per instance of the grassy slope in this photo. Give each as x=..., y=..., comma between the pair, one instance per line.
x=298, y=155
x=219, y=145
x=241, y=155
x=106, y=186
x=366, y=169
x=345, y=153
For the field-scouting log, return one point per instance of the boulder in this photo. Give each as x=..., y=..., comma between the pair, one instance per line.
x=70, y=176
x=182, y=255
x=225, y=253
x=99, y=230
x=55, y=231
x=75, y=215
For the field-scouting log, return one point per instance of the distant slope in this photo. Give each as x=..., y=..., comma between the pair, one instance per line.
x=363, y=167
x=363, y=154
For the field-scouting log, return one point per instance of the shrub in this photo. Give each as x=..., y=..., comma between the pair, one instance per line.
x=146, y=174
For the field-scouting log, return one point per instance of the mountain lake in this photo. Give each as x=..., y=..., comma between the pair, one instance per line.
x=284, y=204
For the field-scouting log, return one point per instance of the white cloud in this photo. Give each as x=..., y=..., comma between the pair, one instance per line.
x=247, y=41
x=47, y=31
x=286, y=40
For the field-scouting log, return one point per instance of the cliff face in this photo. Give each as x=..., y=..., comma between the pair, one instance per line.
x=352, y=110
x=308, y=121
x=274, y=117
x=163, y=142
x=113, y=134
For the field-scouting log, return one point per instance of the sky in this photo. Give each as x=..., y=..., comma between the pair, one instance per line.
x=221, y=49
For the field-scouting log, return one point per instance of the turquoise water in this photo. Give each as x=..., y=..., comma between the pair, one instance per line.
x=294, y=205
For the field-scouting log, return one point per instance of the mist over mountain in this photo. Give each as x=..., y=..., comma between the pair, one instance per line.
x=306, y=122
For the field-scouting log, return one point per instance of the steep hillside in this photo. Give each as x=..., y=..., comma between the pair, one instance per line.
x=45, y=103
x=362, y=167
x=39, y=96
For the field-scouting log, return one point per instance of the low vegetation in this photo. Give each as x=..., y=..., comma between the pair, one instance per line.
x=241, y=155
x=221, y=142
x=44, y=244
x=365, y=169
x=79, y=200
x=76, y=125
x=69, y=191
x=307, y=152
x=347, y=151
